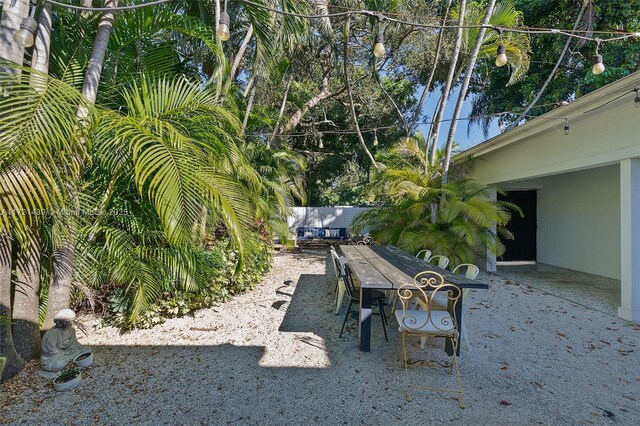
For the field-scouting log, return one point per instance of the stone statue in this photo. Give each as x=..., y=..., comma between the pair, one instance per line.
x=59, y=344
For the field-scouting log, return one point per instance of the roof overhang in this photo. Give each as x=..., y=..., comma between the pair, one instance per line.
x=582, y=108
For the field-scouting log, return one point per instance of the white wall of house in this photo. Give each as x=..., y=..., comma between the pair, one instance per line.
x=588, y=183
x=579, y=221
x=334, y=217
x=592, y=142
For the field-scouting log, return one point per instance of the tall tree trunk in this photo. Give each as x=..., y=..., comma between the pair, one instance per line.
x=13, y=13
x=427, y=86
x=236, y=61
x=247, y=112
x=463, y=89
x=26, y=302
x=449, y=83
x=41, y=46
x=7, y=349
x=524, y=113
x=354, y=116
x=283, y=105
x=63, y=257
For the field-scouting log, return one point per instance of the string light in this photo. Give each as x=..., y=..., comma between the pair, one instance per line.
x=379, y=50
x=621, y=35
x=501, y=54
x=636, y=100
x=501, y=58
x=375, y=137
x=25, y=35
x=320, y=144
x=222, y=31
x=566, y=126
x=598, y=65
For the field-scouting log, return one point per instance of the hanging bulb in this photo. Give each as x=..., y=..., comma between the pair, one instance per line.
x=379, y=50
x=223, y=26
x=566, y=126
x=320, y=144
x=25, y=35
x=636, y=101
x=501, y=58
x=375, y=137
x=598, y=66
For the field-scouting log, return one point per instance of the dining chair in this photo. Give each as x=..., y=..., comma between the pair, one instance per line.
x=439, y=260
x=429, y=322
x=340, y=287
x=377, y=297
x=470, y=271
x=424, y=254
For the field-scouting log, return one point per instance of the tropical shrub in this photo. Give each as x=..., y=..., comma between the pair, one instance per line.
x=418, y=211
x=219, y=261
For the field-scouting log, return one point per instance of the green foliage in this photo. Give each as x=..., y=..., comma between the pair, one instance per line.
x=418, y=211
x=222, y=282
x=574, y=77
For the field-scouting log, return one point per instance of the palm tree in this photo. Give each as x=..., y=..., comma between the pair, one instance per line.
x=419, y=211
x=518, y=49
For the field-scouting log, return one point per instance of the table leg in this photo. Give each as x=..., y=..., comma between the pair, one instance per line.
x=364, y=329
x=458, y=314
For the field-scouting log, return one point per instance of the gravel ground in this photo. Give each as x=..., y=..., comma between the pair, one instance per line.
x=273, y=356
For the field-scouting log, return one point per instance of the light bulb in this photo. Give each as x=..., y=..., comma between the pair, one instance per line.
x=598, y=66
x=636, y=101
x=223, y=27
x=501, y=58
x=24, y=36
x=379, y=50
x=566, y=126
x=320, y=144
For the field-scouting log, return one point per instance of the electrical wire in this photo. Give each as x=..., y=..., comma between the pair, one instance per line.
x=387, y=16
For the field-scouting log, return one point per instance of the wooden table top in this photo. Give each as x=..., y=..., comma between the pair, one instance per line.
x=388, y=267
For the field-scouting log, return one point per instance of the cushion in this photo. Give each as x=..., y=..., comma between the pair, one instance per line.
x=416, y=320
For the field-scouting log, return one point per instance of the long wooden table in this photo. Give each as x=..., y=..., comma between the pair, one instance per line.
x=387, y=268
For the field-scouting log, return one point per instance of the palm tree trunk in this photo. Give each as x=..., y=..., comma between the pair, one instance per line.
x=236, y=61
x=522, y=115
x=283, y=105
x=96, y=61
x=13, y=13
x=247, y=112
x=463, y=89
x=63, y=257
x=14, y=362
x=449, y=83
x=40, y=57
x=354, y=116
x=427, y=86
x=26, y=302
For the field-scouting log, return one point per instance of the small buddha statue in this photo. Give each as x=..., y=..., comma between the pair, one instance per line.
x=59, y=344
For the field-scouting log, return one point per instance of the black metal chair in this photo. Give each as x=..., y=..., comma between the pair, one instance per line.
x=354, y=298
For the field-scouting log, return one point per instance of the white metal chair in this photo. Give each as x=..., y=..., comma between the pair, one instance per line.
x=424, y=254
x=470, y=271
x=439, y=260
x=428, y=285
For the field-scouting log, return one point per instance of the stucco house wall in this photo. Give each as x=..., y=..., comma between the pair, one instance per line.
x=579, y=221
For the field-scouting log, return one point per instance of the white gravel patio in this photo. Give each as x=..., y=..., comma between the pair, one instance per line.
x=273, y=356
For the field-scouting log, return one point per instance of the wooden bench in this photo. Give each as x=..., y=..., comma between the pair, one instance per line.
x=320, y=235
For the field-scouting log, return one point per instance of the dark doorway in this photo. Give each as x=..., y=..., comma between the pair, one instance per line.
x=523, y=246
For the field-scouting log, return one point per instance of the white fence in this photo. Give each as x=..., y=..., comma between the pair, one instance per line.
x=333, y=217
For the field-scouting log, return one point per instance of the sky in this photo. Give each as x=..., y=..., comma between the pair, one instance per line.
x=475, y=135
